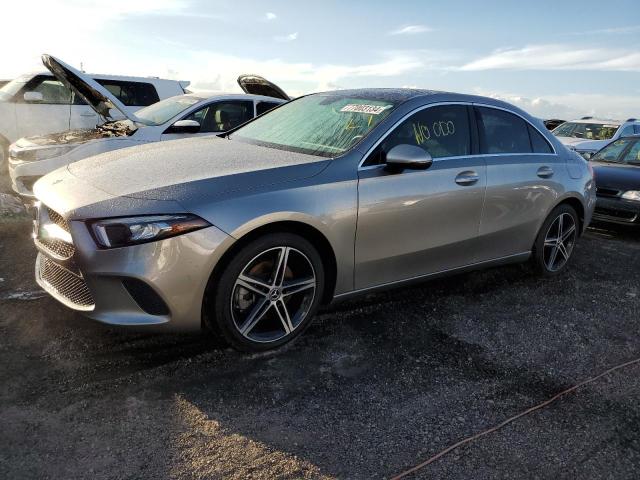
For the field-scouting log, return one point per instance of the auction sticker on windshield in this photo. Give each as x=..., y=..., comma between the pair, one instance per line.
x=368, y=109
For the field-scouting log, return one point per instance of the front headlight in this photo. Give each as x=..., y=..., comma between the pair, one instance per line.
x=121, y=232
x=35, y=154
x=632, y=195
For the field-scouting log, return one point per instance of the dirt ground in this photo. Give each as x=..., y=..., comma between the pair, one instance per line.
x=375, y=386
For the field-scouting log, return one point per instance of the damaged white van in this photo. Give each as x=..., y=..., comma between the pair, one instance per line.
x=176, y=117
x=39, y=104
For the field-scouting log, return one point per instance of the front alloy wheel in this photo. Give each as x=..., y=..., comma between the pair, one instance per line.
x=268, y=292
x=273, y=294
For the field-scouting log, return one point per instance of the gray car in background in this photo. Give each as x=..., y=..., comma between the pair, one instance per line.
x=330, y=195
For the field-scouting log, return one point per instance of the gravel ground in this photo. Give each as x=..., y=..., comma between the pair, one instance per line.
x=375, y=386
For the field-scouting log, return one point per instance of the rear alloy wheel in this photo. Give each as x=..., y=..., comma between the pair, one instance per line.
x=556, y=240
x=269, y=292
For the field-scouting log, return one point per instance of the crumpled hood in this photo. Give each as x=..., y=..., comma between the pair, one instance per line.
x=176, y=169
x=582, y=144
x=70, y=137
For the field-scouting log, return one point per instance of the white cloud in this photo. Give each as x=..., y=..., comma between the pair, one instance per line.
x=410, y=30
x=270, y=16
x=572, y=105
x=69, y=29
x=610, y=31
x=558, y=57
x=287, y=38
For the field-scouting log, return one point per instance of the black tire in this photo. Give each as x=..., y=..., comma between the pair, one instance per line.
x=542, y=258
x=224, y=294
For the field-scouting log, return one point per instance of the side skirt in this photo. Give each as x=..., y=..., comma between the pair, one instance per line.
x=516, y=258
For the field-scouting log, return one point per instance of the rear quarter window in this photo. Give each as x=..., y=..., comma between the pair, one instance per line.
x=539, y=144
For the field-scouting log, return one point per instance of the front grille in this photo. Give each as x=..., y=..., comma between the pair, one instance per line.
x=66, y=284
x=56, y=246
x=607, y=192
x=58, y=219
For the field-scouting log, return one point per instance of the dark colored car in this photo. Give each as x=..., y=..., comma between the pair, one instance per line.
x=617, y=174
x=553, y=123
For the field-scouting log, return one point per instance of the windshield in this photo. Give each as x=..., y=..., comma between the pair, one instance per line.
x=325, y=125
x=10, y=89
x=611, y=152
x=588, y=131
x=165, y=110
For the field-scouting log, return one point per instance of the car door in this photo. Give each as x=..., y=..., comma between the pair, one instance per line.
x=524, y=178
x=417, y=222
x=215, y=118
x=49, y=115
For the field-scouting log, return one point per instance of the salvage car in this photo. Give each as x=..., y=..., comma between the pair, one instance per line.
x=40, y=104
x=176, y=117
x=553, y=123
x=327, y=196
x=617, y=175
x=588, y=135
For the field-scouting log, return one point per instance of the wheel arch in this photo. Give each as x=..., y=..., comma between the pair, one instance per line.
x=577, y=205
x=297, y=227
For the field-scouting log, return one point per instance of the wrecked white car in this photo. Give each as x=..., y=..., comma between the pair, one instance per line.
x=39, y=104
x=172, y=118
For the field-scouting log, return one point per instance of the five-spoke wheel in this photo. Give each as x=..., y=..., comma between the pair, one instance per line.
x=269, y=291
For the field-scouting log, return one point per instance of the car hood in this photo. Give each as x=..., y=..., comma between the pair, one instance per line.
x=582, y=144
x=94, y=94
x=179, y=169
x=616, y=176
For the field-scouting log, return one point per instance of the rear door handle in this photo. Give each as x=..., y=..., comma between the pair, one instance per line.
x=545, y=172
x=468, y=177
x=88, y=115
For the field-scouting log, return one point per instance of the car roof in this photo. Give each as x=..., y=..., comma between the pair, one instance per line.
x=607, y=121
x=394, y=95
x=233, y=96
x=106, y=76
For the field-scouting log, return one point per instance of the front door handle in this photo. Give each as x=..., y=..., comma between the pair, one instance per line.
x=468, y=177
x=545, y=172
x=88, y=114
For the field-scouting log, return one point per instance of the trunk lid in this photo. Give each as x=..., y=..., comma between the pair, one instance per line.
x=257, y=85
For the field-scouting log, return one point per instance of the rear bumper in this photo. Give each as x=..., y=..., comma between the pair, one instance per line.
x=617, y=210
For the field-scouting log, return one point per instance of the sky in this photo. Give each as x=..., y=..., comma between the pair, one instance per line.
x=554, y=59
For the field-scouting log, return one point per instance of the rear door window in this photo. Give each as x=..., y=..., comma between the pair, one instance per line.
x=441, y=131
x=138, y=94
x=502, y=132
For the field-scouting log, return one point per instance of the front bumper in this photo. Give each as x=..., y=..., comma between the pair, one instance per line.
x=25, y=173
x=158, y=284
x=617, y=210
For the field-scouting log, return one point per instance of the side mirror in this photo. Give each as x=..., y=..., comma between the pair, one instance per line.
x=184, y=126
x=410, y=157
x=33, y=97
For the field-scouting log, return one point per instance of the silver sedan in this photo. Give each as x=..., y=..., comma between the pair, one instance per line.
x=328, y=196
